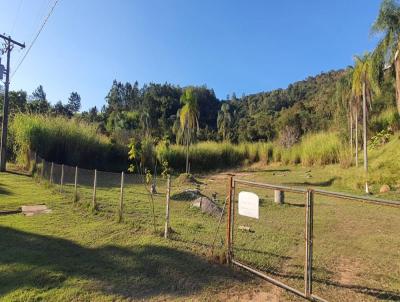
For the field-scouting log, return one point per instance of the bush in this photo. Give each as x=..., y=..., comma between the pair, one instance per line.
x=320, y=149
x=388, y=119
x=66, y=141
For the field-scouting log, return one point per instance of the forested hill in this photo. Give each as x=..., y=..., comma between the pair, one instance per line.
x=304, y=106
x=154, y=109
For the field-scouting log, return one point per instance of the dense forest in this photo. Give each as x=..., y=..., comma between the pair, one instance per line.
x=154, y=109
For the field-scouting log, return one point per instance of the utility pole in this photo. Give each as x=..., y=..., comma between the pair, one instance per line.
x=9, y=45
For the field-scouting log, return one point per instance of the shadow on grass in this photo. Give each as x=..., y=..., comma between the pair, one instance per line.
x=4, y=191
x=378, y=293
x=140, y=272
x=326, y=183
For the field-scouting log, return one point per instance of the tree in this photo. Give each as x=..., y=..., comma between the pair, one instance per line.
x=39, y=94
x=60, y=109
x=189, y=118
x=364, y=83
x=388, y=23
x=38, y=103
x=224, y=121
x=74, y=102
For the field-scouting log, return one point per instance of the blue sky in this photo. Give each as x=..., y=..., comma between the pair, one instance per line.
x=229, y=45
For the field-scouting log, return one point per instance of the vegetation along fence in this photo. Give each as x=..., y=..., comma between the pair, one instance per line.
x=166, y=206
x=316, y=244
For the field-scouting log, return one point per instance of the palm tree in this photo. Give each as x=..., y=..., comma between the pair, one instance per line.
x=346, y=100
x=224, y=121
x=189, y=117
x=388, y=23
x=364, y=83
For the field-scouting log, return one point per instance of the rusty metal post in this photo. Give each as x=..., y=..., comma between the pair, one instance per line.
x=309, y=243
x=229, y=221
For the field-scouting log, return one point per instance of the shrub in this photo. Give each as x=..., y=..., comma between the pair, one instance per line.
x=320, y=149
x=66, y=141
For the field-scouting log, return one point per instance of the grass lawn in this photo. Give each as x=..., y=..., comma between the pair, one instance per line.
x=78, y=254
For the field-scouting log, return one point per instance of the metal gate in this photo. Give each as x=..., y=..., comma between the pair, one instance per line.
x=299, y=284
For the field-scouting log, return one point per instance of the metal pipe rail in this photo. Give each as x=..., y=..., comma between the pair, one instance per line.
x=269, y=186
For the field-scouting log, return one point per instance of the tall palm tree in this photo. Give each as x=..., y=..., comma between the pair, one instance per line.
x=345, y=100
x=365, y=83
x=388, y=23
x=189, y=117
x=224, y=121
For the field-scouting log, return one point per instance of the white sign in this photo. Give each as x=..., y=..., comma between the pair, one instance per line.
x=248, y=204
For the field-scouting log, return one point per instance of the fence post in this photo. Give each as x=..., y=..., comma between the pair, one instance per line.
x=34, y=165
x=62, y=178
x=167, y=207
x=51, y=172
x=121, y=198
x=76, y=185
x=229, y=221
x=309, y=243
x=42, y=171
x=94, y=206
x=279, y=196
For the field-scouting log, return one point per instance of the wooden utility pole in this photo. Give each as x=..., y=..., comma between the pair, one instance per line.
x=9, y=44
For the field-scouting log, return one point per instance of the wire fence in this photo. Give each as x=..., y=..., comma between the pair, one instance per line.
x=351, y=248
x=179, y=209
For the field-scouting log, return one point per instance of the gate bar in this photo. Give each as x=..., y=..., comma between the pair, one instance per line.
x=358, y=198
x=269, y=186
x=277, y=283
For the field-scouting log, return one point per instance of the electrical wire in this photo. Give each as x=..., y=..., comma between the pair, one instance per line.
x=35, y=38
x=16, y=17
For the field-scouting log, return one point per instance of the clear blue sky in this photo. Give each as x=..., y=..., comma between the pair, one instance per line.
x=229, y=45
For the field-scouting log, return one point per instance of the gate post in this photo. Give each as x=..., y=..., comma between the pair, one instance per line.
x=229, y=221
x=309, y=243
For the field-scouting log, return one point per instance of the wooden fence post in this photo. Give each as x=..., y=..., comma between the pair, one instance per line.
x=309, y=243
x=279, y=197
x=62, y=178
x=229, y=221
x=51, y=172
x=167, y=207
x=94, y=205
x=76, y=185
x=42, y=171
x=121, y=199
x=34, y=164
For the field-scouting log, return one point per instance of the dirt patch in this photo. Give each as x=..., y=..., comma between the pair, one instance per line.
x=347, y=270
x=35, y=210
x=187, y=179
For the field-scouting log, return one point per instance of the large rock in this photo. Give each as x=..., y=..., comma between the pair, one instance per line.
x=206, y=205
x=384, y=189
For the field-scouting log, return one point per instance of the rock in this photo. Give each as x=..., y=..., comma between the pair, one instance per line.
x=206, y=205
x=245, y=228
x=384, y=189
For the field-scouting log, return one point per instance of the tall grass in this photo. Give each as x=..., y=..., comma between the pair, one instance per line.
x=315, y=149
x=65, y=141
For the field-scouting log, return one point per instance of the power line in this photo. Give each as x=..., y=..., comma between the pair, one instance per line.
x=34, y=39
x=16, y=17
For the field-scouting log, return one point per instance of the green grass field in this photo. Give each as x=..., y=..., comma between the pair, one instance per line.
x=78, y=254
